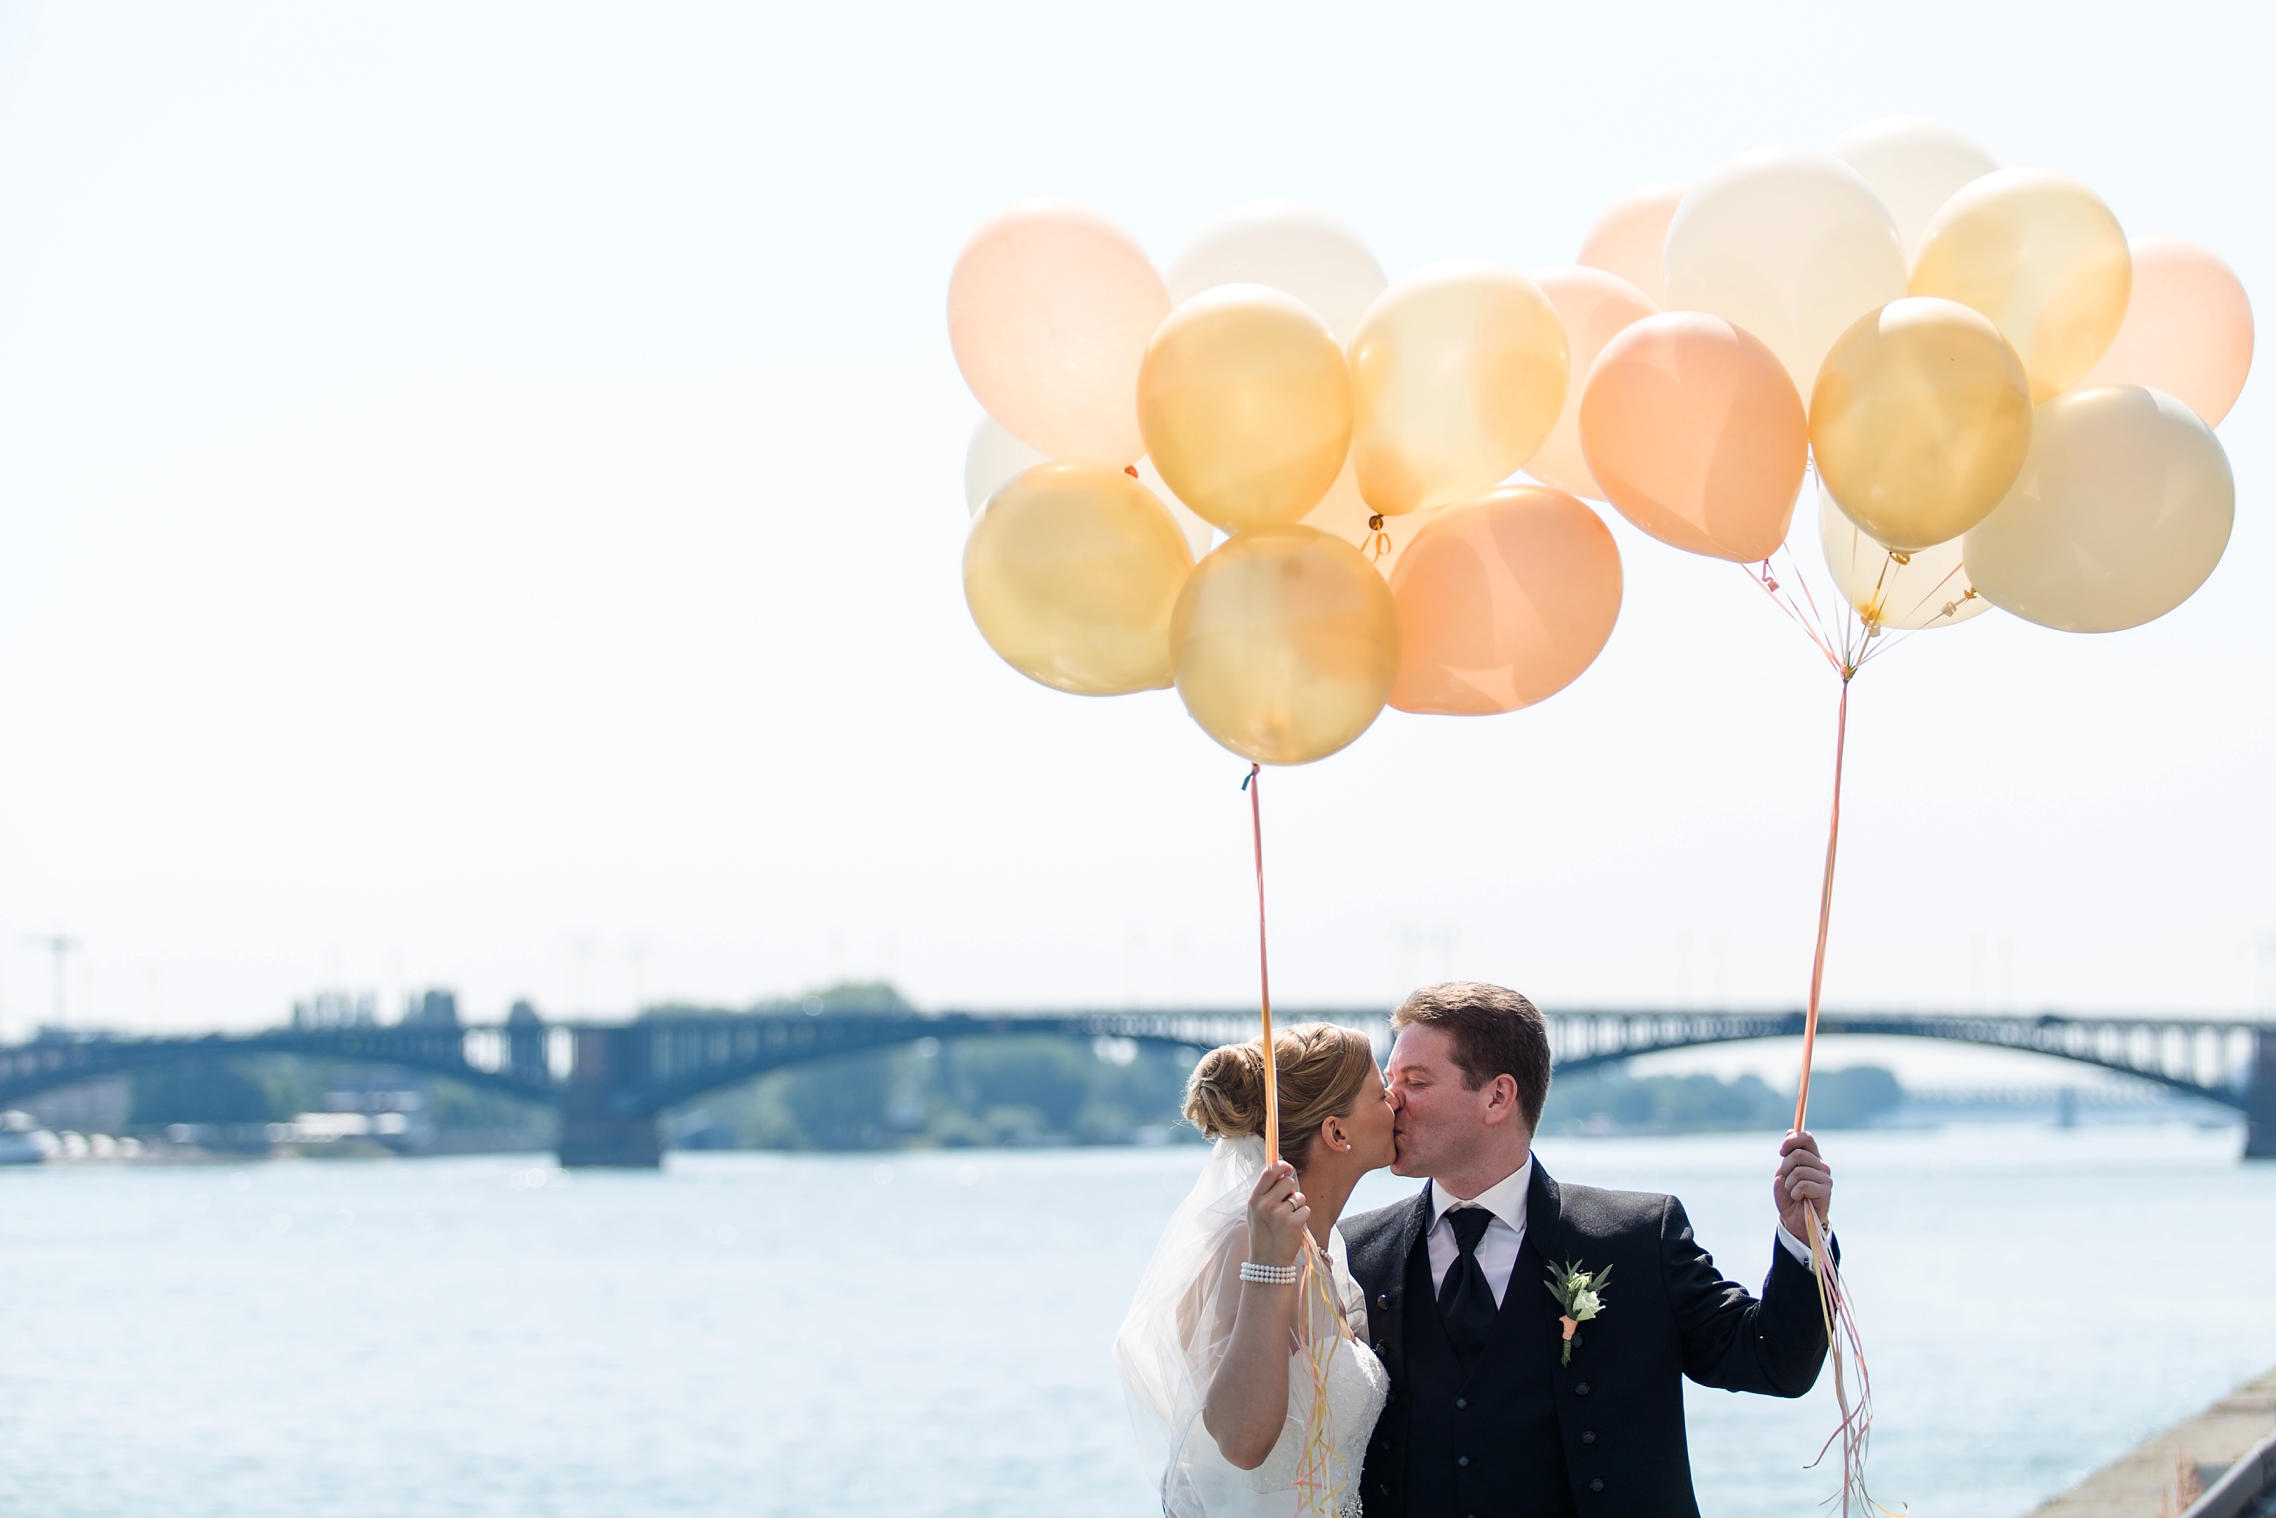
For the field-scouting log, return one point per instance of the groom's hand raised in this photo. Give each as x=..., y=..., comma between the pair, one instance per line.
x=1804, y=1180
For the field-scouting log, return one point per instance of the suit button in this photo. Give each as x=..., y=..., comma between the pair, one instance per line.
x=1461, y=1402
x=1588, y=1436
x=1384, y=1300
x=1597, y=1485
x=1461, y=1459
x=1581, y=1390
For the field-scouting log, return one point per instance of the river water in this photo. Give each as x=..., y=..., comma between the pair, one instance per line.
x=928, y=1333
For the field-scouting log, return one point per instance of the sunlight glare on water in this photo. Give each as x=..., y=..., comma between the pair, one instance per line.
x=927, y=1333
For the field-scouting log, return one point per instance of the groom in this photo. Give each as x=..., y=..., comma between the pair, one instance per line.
x=1483, y=1420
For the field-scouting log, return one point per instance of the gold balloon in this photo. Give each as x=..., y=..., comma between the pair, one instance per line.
x=1245, y=404
x=1457, y=376
x=1072, y=572
x=1920, y=419
x=2041, y=255
x=1287, y=644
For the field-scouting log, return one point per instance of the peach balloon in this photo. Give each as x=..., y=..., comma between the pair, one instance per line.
x=1595, y=307
x=1693, y=428
x=1344, y=513
x=1503, y=601
x=1049, y=313
x=1630, y=237
x=2188, y=329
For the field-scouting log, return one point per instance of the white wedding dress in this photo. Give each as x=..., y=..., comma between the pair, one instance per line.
x=1174, y=1339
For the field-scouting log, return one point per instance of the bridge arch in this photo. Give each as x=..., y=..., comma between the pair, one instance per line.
x=30, y=1069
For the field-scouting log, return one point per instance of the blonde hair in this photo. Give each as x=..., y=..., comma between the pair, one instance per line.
x=1322, y=1070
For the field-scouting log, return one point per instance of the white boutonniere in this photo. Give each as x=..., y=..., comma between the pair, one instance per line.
x=1580, y=1297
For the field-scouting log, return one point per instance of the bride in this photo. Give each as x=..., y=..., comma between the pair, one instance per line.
x=1244, y=1354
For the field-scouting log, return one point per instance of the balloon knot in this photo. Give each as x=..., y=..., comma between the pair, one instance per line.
x=1131, y=470
x=1251, y=775
x=1375, y=522
x=1901, y=558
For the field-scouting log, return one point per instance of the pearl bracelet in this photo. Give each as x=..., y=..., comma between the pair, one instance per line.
x=1268, y=1275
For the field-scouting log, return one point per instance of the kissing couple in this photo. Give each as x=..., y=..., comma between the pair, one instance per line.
x=1498, y=1346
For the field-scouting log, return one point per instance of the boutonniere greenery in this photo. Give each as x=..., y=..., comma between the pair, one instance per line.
x=1580, y=1297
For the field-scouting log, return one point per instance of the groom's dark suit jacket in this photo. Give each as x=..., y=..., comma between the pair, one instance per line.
x=1518, y=1434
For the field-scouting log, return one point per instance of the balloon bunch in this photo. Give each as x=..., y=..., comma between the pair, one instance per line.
x=2006, y=403
x=1353, y=438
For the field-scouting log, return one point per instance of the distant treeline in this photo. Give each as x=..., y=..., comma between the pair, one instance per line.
x=1047, y=1089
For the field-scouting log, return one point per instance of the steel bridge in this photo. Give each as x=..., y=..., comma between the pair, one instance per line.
x=610, y=1081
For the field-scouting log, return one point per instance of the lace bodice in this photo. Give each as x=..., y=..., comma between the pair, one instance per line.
x=1357, y=1386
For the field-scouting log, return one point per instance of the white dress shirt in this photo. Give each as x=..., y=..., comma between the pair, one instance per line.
x=1505, y=1235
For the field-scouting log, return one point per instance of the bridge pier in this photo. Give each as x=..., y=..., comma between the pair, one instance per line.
x=2260, y=1101
x=595, y=1128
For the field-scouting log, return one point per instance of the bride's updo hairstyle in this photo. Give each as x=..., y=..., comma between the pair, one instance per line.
x=1323, y=1068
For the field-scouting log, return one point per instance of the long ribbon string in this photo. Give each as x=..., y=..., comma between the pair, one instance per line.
x=1855, y=1431
x=1255, y=787
x=1825, y=914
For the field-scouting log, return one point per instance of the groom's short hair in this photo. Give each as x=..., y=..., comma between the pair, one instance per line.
x=1494, y=1030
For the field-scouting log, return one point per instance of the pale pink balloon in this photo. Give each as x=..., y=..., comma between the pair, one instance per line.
x=1503, y=601
x=1049, y=311
x=1630, y=236
x=1595, y=308
x=2188, y=329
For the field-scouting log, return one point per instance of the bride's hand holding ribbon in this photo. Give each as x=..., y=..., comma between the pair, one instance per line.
x=1278, y=1216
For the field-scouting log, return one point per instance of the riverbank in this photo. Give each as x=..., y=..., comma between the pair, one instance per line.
x=2167, y=1473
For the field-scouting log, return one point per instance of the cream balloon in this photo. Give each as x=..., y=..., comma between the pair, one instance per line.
x=1072, y=573
x=1926, y=588
x=2122, y=510
x=1458, y=374
x=2041, y=255
x=1792, y=246
x=1049, y=313
x=1914, y=165
x=1292, y=248
x=2188, y=329
x=1629, y=240
x=1287, y=644
x=1343, y=513
x=991, y=458
x=1594, y=307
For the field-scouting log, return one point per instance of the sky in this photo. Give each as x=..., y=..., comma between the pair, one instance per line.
x=481, y=504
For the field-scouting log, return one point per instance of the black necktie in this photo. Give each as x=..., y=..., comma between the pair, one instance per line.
x=1465, y=1300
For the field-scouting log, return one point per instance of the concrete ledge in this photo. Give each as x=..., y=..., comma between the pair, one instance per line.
x=2141, y=1483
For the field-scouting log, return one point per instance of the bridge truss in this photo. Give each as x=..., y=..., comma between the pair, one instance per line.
x=611, y=1080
